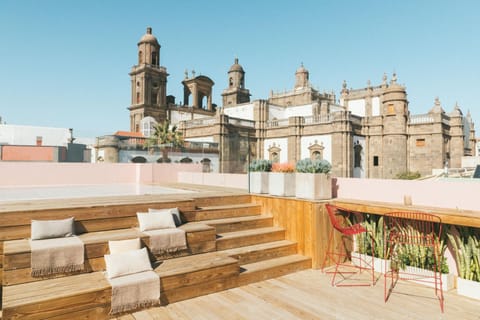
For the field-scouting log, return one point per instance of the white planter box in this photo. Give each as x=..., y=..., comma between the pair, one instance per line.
x=259, y=182
x=378, y=264
x=468, y=288
x=447, y=279
x=315, y=186
x=282, y=184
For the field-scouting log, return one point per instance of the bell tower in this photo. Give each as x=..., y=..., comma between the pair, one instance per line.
x=301, y=77
x=148, y=83
x=236, y=92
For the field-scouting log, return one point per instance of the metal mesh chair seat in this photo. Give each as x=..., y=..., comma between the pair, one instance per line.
x=341, y=257
x=419, y=232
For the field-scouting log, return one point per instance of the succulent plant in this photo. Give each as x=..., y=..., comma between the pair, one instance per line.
x=466, y=244
x=260, y=165
x=313, y=166
x=283, y=167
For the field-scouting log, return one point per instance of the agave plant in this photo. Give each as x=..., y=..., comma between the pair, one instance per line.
x=374, y=225
x=466, y=244
x=420, y=256
x=313, y=166
x=260, y=165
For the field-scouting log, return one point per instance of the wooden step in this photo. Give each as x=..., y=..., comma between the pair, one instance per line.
x=249, y=237
x=222, y=200
x=263, y=251
x=221, y=212
x=272, y=268
x=240, y=223
x=90, y=293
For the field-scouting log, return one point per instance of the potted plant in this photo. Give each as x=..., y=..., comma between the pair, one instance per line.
x=282, y=180
x=258, y=175
x=313, y=180
x=362, y=244
x=466, y=245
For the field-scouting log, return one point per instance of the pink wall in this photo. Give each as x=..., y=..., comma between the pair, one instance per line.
x=44, y=173
x=458, y=194
x=229, y=180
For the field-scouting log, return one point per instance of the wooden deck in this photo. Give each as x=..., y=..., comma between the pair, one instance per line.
x=308, y=295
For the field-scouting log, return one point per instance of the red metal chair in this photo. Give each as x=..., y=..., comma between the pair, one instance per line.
x=419, y=231
x=343, y=267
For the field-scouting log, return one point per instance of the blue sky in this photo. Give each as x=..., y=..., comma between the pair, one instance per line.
x=65, y=63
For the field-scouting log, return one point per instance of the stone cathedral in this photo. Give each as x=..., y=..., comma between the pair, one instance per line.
x=365, y=133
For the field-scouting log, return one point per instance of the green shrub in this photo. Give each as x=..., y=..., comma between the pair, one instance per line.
x=260, y=165
x=313, y=166
x=408, y=175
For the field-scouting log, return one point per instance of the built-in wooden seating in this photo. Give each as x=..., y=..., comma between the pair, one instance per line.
x=230, y=244
x=200, y=239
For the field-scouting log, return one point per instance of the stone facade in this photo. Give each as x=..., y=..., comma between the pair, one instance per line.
x=368, y=133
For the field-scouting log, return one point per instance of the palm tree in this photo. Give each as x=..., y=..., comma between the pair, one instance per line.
x=165, y=136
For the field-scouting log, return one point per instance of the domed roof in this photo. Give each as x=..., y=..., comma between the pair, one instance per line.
x=236, y=67
x=301, y=69
x=149, y=37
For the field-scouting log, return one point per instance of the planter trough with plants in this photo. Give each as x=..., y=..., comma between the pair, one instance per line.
x=258, y=175
x=313, y=180
x=282, y=180
x=466, y=244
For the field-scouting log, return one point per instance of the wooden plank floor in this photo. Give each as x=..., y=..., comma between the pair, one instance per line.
x=308, y=295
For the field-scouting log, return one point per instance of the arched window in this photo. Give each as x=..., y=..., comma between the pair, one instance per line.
x=206, y=163
x=139, y=159
x=357, y=155
x=140, y=57
x=230, y=82
x=154, y=58
x=154, y=97
x=186, y=160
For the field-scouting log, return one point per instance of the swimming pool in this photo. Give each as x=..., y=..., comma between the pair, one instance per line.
x=84, y=191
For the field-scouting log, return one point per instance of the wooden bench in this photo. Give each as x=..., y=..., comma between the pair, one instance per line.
x=17, y=254
x=90, y=293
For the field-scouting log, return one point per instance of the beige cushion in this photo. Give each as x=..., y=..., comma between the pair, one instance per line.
x=124, y=245
x=155, y=220
x=47, y=229
x=125, y=263
x=173, y=211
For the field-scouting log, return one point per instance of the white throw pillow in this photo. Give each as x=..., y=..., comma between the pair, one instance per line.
x=153, y=221
x=119, y=246
x=125, y=263
x=173, y=211
x=47, y=229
